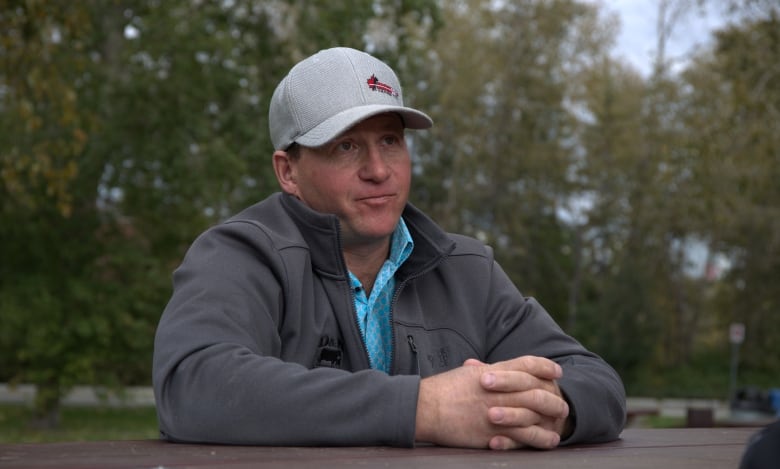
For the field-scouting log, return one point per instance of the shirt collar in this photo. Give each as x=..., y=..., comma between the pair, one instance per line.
x=401, y=244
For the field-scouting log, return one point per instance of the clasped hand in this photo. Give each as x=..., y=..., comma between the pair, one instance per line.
x=504, y=405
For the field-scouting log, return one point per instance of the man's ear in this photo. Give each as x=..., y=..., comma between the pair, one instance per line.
x=285, y=172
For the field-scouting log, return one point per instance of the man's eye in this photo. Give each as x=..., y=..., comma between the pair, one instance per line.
x=345, y=146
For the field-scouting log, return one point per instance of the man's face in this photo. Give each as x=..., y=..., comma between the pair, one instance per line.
x=362, y=176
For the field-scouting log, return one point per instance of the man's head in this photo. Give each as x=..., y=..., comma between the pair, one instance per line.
x=329, y=92
x=337, y=123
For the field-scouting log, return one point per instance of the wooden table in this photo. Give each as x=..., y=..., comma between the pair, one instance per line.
x=709, y=448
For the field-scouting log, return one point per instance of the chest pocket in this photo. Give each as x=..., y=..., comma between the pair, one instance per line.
x=428, y=352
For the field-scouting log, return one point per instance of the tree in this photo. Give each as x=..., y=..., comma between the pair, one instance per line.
x=618, y=316
x=45, y=134
x=496, y=164
x=732, y=116
x=128, y=127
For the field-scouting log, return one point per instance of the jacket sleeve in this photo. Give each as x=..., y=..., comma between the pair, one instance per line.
x=217, y=374
x=593, y=389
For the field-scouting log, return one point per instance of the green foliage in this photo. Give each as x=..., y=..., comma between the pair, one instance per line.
x=127, y=128
x=80, y=424
x=495, y=165
x=737, y=172
x=705, y=376
x=44, y=127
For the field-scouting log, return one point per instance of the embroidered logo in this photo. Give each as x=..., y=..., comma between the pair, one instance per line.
x=375, y=85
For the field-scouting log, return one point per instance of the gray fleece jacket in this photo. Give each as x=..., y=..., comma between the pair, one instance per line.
x=259, y=343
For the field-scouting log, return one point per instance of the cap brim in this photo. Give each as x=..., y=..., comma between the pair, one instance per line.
x=336, y=125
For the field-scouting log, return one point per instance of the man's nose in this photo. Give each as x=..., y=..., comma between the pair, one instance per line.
x=375, y=166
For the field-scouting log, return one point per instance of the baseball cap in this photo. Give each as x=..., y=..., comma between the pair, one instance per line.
x=329, y=92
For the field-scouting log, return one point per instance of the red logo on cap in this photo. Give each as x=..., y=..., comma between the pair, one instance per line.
x=375, y=85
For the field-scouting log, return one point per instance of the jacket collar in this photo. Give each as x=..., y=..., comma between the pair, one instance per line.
x=321, y=233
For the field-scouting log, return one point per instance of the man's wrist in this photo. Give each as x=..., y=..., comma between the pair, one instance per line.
x=425, y=414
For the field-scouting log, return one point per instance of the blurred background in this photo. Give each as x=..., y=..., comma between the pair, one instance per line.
x=633, y=192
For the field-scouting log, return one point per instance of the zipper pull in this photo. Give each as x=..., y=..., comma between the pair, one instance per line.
x=413, y=348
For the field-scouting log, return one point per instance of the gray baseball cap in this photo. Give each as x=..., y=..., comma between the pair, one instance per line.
x=329, y=92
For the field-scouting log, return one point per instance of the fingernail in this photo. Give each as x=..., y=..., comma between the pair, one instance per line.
x=497, y=415
x=488, y=379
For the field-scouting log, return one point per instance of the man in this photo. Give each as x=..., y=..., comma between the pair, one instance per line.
x=763, y=449
x=336, y=313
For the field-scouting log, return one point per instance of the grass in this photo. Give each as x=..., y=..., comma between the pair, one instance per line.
x=660, y=421
x=79, y=424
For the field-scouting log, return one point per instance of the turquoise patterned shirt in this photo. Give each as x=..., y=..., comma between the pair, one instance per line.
x=373, y=313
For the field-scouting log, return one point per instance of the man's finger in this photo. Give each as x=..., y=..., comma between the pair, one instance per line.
x=537, y=401
x=534, y=436
x=500, y=442
x=513, y=417
x=473, y=362
x=540, y=401
x=515, y=381
x=542, y=368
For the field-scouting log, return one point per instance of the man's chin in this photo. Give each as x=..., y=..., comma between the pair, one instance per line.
x=367, y=237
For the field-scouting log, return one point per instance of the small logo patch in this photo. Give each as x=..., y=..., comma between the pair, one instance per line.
x=375, y=85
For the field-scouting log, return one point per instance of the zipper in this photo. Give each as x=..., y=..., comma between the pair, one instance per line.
x=355, y=320
x=394, y=301
x=351, y=290
x=413, y=348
